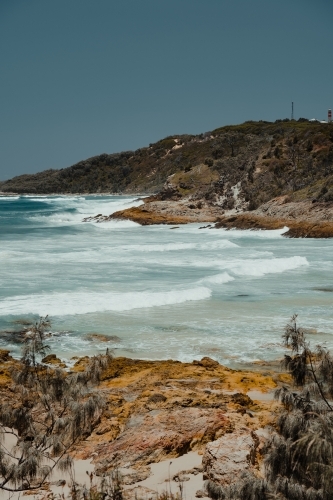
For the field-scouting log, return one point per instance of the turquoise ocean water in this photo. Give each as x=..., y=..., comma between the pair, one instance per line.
x=164, y=293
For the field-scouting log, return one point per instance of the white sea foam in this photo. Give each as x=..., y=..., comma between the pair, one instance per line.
x=236, y=266
x=52, y=199
x=250, y=233
x=115, y=224
x=62, y=304
x=99, y=268
x=166, y=247
x=218, y=279
x=217, y=245
x=170, y=247
x=82, y=208
x=57, y=218
x=8, y=254
x=260, y=267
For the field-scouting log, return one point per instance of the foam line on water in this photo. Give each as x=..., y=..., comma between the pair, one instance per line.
x=219, y=244
x=249, y=233
x=260, y=267
x=245, y=267
x=236, y=266
x=71, y=210
x=62, y=304
x=217, y=279
x=166, y=247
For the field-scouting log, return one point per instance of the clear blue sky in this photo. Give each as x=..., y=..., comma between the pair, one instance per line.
x=83, y=77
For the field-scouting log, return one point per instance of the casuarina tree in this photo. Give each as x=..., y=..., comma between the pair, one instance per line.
x=51, y=410
x=298, y=457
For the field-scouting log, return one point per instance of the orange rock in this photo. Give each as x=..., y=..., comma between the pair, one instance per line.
x=158, y=434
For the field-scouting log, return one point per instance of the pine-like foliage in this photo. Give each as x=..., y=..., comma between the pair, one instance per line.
x=248, y=487
x=299, y=456
x=51, y=410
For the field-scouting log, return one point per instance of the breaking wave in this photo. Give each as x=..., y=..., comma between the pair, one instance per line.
x=260, y=267
x=63, y=304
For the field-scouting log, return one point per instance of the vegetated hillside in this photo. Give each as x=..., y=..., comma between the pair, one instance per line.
x=257, y=160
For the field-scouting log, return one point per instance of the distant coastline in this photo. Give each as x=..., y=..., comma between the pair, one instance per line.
x=253, y=175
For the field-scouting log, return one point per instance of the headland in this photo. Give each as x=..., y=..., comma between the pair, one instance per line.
x=253, y=175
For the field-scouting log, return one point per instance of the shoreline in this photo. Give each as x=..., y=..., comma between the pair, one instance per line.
x=303, y=219
x=4, y=194
x=308, y=219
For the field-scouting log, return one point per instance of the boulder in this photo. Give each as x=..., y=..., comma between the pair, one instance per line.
x=140, y=492
x=4, y=355
x=206, y=362
x=52, y=359
x=160, y=434
x=229, y=456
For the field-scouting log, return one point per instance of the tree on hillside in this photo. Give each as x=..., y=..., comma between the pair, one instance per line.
x=49, y=412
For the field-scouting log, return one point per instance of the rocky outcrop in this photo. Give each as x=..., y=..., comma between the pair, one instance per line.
x=161, y=433
x=169, y=212
x=304, y=219
x=283, y=207
x=4, y=355
x=52, y=359
x=300, y=219
x=162, y=409
x=227, y=458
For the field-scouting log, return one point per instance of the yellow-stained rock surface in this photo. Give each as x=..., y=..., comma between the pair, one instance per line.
x=169, y=212
x=161, y=409
x=52, y=359
x=6, y=364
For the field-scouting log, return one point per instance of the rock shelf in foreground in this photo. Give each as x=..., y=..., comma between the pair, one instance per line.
x=158, y=410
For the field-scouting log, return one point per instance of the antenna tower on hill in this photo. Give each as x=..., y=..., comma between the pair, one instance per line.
x=292, y=110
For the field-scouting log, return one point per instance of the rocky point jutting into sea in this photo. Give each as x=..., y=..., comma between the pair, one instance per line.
x=229, y=176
